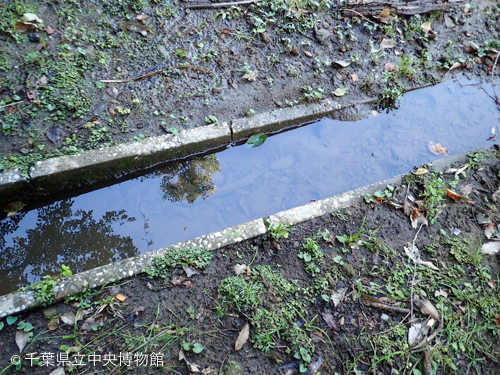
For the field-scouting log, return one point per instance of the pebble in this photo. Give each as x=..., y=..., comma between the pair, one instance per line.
x=34, y=37
x=266, y=38
x=294, y=51
x=322, y=35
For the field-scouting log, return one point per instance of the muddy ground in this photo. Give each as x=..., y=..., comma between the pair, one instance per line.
x=210, y=65
x=331, y=296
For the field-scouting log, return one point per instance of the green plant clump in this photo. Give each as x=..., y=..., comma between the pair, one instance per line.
x=195, y=257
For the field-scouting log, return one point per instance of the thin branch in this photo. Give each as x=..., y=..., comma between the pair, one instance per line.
x=221, y=5
x=153, y=73
x=414, y=271
x=359, y=14
x=11, y=104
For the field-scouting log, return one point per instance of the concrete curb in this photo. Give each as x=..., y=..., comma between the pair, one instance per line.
x=19, y=301
x=67, y=172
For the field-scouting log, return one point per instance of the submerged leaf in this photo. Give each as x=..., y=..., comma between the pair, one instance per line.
x=13, y=208
x=437, y=149
x=256, y=140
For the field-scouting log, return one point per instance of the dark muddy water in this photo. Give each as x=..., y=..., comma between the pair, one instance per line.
x=191, y=198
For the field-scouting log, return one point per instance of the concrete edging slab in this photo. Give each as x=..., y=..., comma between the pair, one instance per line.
x=19, y=301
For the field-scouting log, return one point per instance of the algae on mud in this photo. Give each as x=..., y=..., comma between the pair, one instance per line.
x=52, y=100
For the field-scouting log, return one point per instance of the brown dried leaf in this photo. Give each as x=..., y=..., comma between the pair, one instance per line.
x=242, y=337
x=225, y=31
x=417, y=218
x=426, y=27
x=138, y=309
x=188, y=284
x=387, y=43
x=437, y=149
x=53, y=324
x=389, y=67
x=420, y=171
x=330, y=322
x=426, y=307
x=251, y=76
x=453, y=195
x=342, y=64
x=178, y=280
x=23, y=27
x=385, y=13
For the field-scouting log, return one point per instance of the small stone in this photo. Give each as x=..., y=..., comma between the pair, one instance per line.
x=49, y=312
x=294, y=51
x=266, y=38
x=296, y=244
x=322, y=35
x=216, y=90
x=34, y=37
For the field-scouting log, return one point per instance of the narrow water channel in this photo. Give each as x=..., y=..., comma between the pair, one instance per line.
x=187, y=199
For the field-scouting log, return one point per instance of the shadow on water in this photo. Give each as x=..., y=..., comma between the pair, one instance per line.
x=193, y=197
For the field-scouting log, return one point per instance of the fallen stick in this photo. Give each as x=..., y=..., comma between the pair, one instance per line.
x=152, y=74
x=11, y=104
x=221, y=5
x=370, y=301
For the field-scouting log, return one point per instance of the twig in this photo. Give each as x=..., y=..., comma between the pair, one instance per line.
x=221, y=5
x=222, y=363
x=414, y=270
x=11, y=104
x=427, y=362
x=373, y=302
x=152, y=74
x=426, y=340
x=359, y=14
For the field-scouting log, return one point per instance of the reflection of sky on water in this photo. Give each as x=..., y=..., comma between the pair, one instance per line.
x=196, y=197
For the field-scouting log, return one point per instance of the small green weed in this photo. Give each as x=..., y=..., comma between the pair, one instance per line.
x=195, y=257
x=279, y=231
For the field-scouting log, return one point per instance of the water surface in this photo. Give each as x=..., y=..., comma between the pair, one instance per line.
x=187, y=199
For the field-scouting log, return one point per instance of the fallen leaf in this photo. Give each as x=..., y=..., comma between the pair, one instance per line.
x=414, y=254
x=21, y=339
x=178, y=280
x=225, y=31
x=417, y=218
x=426, y=27
x=242, y=337
x=490, y=248
x=53, y=324
x=437, y=149
x=93, y=321
x=120, y=297
x=33, y=96
x=58, y=371
x=354, y=77
x=31, y=17
x=389, y=67
x=189, y=271
x=13, y=208
x=426, y=307
x=416, y=333
x=142, y=18
x=385, y=13
x=420, y=171
x=54, y=134
x=208, y=370
x=489, y=230
x=453, y=195
x=50, y=30
x=239, y=268
x=343, y=64
x=23, y=27
x=455, y=66
x=330, y=322
x=338, y=296
x=385, y=17
x=440, y=293
x=387, y=43
x=251, y=76
x=138, y=309
x=188, y=284
x=448, y=22
x=341, y=91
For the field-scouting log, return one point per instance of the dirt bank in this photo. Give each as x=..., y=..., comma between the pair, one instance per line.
x=179, y=68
